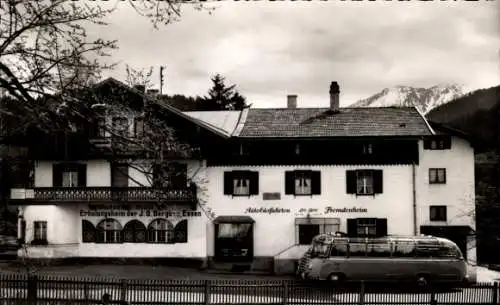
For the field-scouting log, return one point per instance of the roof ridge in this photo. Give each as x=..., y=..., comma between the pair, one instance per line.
x=425, y=120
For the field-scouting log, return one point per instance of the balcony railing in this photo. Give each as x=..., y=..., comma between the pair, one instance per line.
x=103, y=194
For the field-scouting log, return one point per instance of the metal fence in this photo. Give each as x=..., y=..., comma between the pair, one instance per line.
x=23, y=289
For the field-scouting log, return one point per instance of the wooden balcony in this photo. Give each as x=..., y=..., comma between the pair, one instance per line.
x=62, y=195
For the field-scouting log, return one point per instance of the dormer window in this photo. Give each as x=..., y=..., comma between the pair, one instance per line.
x=297, y=149
x=120, y=126
x=367, y=149
x=437, y=143
x=138, y=127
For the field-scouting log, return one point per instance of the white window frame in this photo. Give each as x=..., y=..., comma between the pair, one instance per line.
x=364, y=183
x=70, y=178
x=241, y=186
x=40, y=230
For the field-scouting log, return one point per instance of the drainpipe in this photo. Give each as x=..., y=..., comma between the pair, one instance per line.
x=415, y=228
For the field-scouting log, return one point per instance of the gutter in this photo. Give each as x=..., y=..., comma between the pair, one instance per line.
x=414, y=199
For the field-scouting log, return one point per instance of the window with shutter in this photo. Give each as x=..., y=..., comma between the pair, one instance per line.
x=364, y=182
x=303, y=182
x=241, y=183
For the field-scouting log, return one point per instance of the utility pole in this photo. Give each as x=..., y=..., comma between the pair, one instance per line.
x=161, y=79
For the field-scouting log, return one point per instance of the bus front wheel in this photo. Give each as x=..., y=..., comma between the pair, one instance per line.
x=336, y=277
x=422, y=280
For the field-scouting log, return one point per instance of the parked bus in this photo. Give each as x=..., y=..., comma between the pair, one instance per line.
x=402, y=258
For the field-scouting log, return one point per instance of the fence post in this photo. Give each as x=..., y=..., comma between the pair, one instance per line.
x=433, y=297
x=32, y=289
x=207, y=292
x=362, y=293
x=284, y=293
x=495, y=293
x=123, y=296
x=86, y=292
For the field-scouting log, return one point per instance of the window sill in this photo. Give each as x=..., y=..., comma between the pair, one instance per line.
x=438, y=183
x=366, y=195
x=242, y=195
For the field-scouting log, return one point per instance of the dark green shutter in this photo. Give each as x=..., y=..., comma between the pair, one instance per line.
x=352, y=227
x=181, y=232
x=228, y=183
x=315, y=182
x=254, y=183
x=350, y=181
x=82, y=174
x=378, y=181
x=57, y=170
x=381, y=227
x=290, y=183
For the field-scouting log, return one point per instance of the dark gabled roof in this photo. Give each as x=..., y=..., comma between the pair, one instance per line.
x=171, y=109
x=321, y=122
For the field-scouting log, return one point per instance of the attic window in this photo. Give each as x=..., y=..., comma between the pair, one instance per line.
x=297, y=149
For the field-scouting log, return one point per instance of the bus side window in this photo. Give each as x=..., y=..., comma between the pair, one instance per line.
x=428, y=249
x=339, y=249
x=357, y=249
x=404, y=249
x=379, y=250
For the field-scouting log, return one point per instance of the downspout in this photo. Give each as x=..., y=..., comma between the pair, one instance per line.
x=414, y=195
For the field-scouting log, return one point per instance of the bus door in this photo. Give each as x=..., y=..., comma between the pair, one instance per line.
x=336, y=261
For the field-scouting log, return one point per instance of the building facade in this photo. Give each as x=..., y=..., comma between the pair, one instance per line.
x=265, y=183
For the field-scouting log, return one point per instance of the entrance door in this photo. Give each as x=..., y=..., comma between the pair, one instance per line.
x=234, y=242
x=457, y=234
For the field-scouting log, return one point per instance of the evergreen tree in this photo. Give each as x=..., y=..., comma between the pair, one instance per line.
x=222, y=97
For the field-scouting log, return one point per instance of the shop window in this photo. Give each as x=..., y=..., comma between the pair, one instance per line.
x=437, y=175
x=88, y=232
x=109, y=231
x=437, y=213
x=308, y=228
x=241, y=183
x=134, y=232
x=364, y=182
x=69, y=175
x=302, y=182
x=160, y=231
x=39, y=233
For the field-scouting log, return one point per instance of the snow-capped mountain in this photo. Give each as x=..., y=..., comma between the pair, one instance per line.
x=424, y=99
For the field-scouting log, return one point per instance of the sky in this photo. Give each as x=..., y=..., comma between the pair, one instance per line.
x=272, y=49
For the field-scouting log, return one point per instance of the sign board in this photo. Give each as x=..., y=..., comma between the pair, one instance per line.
x=271, y=196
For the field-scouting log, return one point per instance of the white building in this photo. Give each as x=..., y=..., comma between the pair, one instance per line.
x=267, y=182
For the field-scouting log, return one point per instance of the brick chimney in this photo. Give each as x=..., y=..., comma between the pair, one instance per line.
x=334, y=96
x=291, y=101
